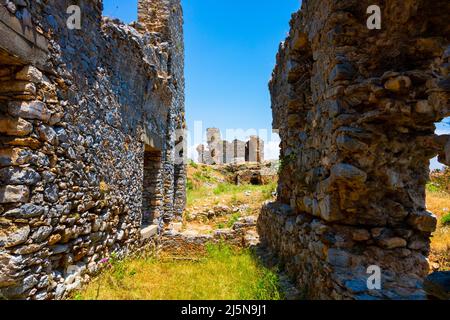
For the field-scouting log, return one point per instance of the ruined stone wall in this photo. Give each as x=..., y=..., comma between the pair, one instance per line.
x=239, y=151
x=165, y=17
x=356, y=110
x=254, y=150
x=215, y=145
x=77, y=109
x=152, y=190
x=228, y=152
x=201, y=153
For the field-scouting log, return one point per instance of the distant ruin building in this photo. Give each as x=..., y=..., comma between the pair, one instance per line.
x=254, y=150
x=218, y=151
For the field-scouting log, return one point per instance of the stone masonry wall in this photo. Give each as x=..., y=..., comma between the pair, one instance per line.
x=254, y=150
x=215, y=145
x=77, y=110
x=356, y=110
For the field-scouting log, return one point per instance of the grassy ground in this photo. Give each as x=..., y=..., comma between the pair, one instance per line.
x=230, y=194
x=223, y=274
x=208, y=187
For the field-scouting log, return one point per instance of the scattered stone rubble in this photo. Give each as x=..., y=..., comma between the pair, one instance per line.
x=356, y=109
x=90, y=124
x=90, y=132
x=219, y=151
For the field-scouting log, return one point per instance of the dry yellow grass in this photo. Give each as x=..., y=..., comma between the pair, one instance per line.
x=209, y=187
x=439, y=204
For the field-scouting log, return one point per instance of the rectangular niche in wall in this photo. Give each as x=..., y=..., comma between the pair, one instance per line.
x=152, y=186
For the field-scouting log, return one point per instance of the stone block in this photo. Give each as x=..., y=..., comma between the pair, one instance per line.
x=13, y=156
x=29, y=73
x=34, y=110
x=338, y=258
x=7, y=270
x=17, y=87
x=398, y=84
x=437, y=285
x=14, y=194
x=348, y=174
x=393, y=243
x=26, y=211
x=19, y=176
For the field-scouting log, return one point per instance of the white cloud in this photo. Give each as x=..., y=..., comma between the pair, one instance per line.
x=435, y=164
x=192, y=152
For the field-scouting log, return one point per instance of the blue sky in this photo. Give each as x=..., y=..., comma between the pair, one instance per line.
x=230, y=53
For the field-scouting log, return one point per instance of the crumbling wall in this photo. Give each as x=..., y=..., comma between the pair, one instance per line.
x=356, y=109
x=215, y=145
x=78, y=108
x=228, y=152
x=165, y=18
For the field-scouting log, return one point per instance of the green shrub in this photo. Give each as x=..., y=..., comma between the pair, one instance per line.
x=189, y=184
x=439, y=181
x=221, y=188
x=285, y=161
x=225, y=273
x=220, y=226
x=193, y=164
x=269, y=190
x=234, y=218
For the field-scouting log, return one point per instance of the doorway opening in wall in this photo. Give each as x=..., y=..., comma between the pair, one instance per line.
x=152, y=187
x=438, y=202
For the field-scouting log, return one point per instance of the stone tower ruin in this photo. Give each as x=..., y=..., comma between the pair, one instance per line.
x=218, y=151
x=91, y=139
x=356, y=110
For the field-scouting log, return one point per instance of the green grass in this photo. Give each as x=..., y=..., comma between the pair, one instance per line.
x=432, y=187
x=224, y=273
x=220, y=226
x=445, y=220
x=189, y=184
